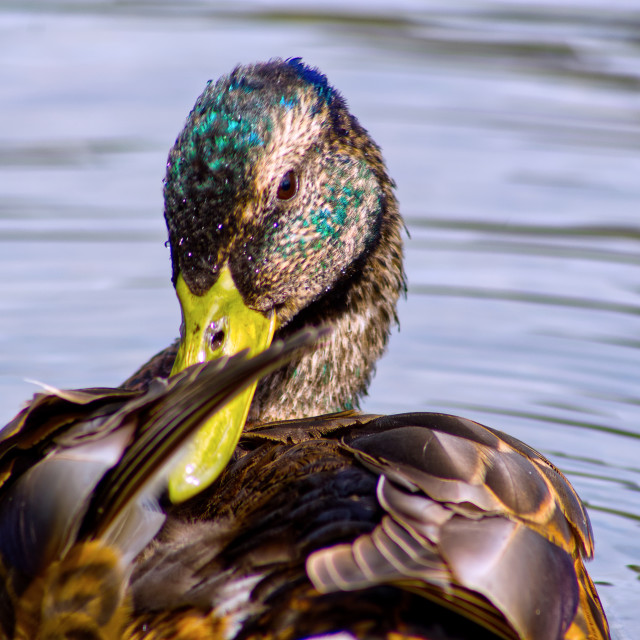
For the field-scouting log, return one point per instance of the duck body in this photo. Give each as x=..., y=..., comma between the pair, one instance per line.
x=282, y=217
x=415, y=525
x=419, y=525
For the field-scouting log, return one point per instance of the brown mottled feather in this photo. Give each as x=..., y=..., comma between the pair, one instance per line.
x=82, y=595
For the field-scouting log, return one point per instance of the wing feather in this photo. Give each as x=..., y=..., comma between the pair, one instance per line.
x=470, y=514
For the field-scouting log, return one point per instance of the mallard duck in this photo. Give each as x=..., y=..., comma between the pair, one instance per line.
x=281, y=216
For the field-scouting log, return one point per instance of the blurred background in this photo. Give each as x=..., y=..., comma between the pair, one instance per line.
x=512, y=130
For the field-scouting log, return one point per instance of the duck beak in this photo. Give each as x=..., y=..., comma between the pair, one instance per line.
x=215, y=324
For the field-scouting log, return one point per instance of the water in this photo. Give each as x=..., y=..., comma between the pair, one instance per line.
x=513, y=133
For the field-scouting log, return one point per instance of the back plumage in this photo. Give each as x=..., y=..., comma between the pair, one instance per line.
x=415, y=525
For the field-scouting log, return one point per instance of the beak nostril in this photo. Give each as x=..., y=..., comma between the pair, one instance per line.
x=216, y=334
x=216, y=340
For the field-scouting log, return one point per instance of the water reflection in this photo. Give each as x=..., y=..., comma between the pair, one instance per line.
x=512, y=132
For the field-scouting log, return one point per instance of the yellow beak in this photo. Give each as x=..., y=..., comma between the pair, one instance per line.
x=215, y=324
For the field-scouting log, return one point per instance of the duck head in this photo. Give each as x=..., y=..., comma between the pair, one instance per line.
x=280, y=215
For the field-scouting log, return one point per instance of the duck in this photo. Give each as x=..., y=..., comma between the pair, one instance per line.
x=289, y=513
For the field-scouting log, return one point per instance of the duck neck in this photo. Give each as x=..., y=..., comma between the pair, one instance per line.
x=360, y=309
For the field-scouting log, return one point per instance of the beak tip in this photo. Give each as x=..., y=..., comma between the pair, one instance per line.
x=182, y=487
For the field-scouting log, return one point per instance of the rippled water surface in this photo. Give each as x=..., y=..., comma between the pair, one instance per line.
x=513, y=133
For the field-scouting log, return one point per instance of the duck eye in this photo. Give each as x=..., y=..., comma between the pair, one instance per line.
x=288, y=185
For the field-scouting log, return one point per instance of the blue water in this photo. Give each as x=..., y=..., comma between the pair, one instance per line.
x=513, y=132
